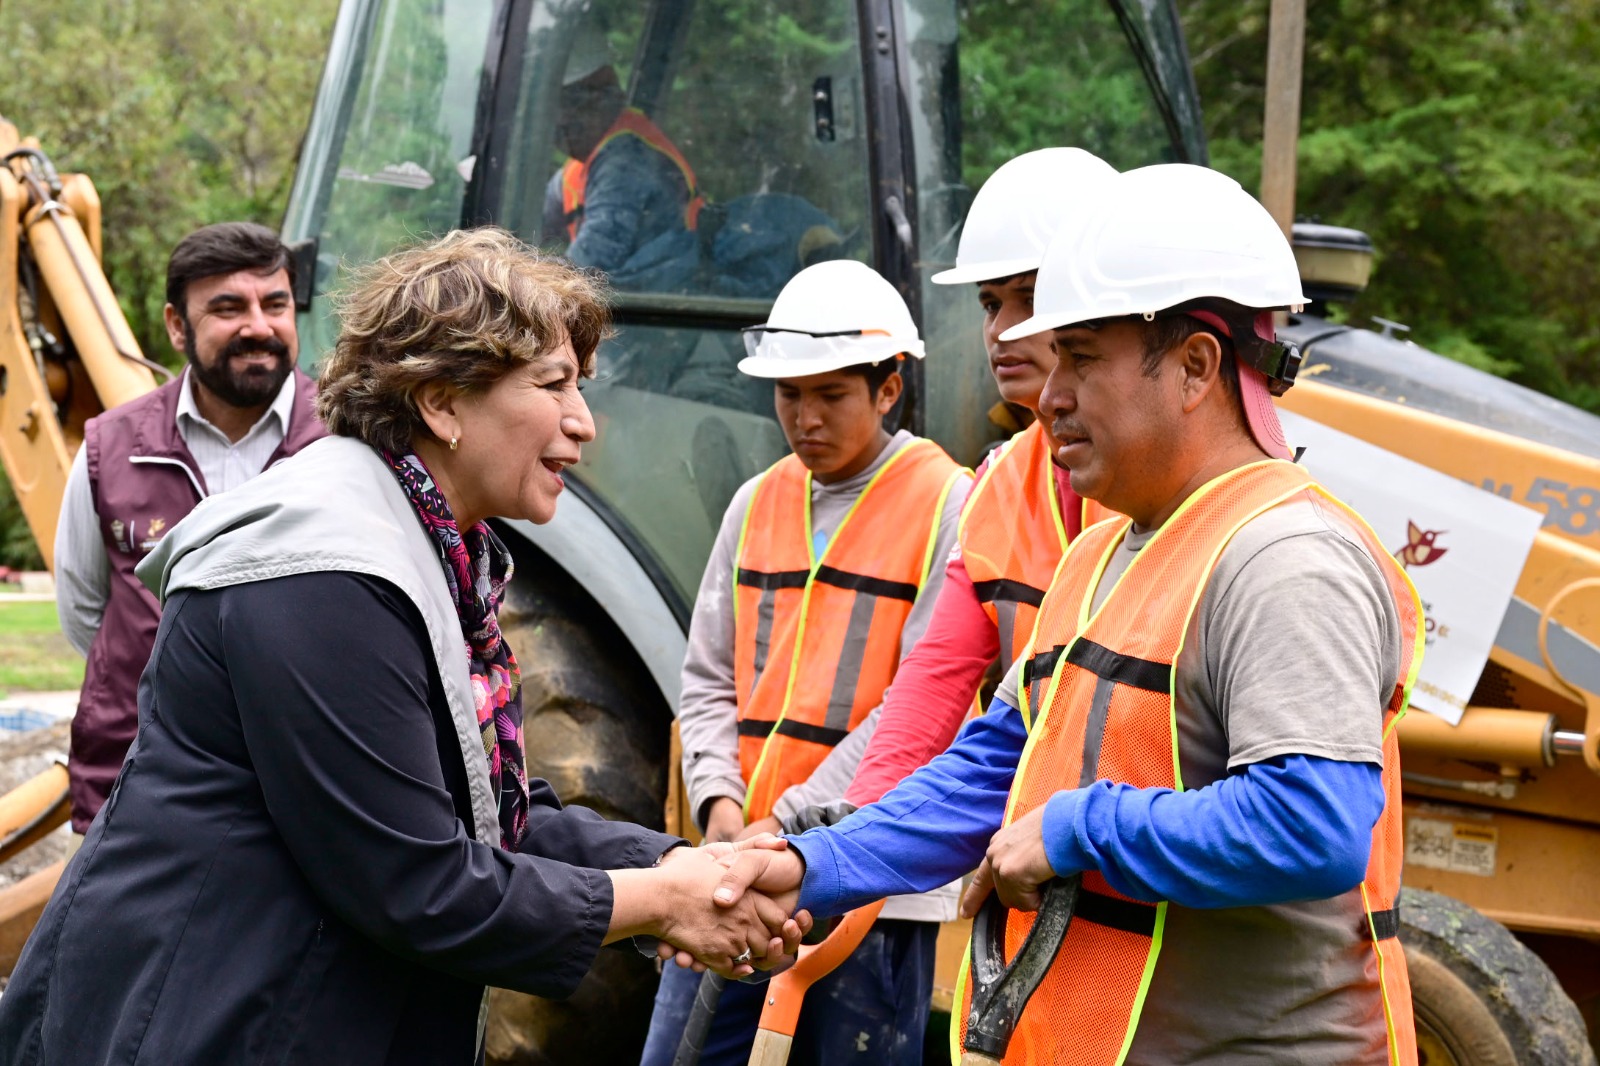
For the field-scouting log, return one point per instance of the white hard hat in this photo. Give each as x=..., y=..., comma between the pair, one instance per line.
x=1163, y=236
x=1020, y=208
x=829, y=316
x=590, y=52
x=1175, y=237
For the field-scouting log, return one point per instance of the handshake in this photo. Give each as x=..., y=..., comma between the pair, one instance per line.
x=728, y=907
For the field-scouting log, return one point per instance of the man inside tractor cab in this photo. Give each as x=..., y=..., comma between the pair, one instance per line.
x=1199, y=740
x=822, y=576
x=1022, y=511
x=626, y=201
x=239, y=406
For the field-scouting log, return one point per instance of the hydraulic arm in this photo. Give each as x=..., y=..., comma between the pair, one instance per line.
x=66, y=352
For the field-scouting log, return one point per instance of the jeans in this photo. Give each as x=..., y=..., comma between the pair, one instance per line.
x=872, y=1009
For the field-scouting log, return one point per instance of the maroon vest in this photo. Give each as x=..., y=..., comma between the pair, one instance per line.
x=143, y=480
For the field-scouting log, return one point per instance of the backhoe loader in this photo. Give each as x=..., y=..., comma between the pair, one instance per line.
x=833, y=128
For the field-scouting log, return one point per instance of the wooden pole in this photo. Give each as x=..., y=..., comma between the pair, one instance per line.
x=1286, y=35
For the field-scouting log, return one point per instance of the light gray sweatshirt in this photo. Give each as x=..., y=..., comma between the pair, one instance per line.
x=708, y=708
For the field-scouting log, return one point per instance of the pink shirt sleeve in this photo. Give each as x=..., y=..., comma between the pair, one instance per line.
x=932, y=691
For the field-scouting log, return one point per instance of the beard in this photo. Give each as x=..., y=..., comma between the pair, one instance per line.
x=250, y=386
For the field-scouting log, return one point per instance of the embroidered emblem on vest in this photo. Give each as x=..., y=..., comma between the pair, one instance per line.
x=154, y=528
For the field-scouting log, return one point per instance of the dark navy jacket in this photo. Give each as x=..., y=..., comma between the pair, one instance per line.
x=284, y=872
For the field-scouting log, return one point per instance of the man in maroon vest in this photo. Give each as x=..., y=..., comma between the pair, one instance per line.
x=239, y=406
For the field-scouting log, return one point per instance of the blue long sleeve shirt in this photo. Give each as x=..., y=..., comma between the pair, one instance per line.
x=1287, y=828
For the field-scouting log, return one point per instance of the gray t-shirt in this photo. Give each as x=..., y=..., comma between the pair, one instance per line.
x=1295, y=649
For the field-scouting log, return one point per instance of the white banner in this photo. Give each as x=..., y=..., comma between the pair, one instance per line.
x=1463, y=548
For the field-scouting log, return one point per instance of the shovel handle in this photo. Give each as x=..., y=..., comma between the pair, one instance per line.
x=787, y=991
x=770, y=1048
x=707, y=994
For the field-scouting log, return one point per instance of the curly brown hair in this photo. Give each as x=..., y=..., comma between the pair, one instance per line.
x=467, y=308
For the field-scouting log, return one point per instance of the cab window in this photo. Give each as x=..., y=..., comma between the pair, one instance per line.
x=710, y=150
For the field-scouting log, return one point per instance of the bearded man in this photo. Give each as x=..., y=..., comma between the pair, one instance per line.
x=239, y=406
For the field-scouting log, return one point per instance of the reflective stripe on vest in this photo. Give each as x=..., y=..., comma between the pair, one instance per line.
x=1095, y=512
x=1103, y=685
x=631, y=123
x=817, y=640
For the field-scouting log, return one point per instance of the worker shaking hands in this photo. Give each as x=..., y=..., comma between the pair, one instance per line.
x=1199, y=729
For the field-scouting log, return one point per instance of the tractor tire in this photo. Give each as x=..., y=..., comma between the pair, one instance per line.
x=1480, y=997
x=597, y=730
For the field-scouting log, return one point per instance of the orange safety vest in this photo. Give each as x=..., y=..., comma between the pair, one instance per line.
x=631, y=123
x=1012, y=535
x=817, y=640
x=1086, y=1009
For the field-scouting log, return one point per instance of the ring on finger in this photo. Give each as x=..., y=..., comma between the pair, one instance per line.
x=742, y=958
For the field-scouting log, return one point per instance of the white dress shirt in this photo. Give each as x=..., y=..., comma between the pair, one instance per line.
x=83, y=572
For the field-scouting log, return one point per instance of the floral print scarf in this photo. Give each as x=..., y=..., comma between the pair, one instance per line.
x=477, y=568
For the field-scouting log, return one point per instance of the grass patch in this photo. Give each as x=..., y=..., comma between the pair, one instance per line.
x=34, y=656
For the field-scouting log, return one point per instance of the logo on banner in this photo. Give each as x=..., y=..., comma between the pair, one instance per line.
x=1463, y=548
x=1420, y=548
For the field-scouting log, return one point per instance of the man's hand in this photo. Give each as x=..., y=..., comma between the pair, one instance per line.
x=715, y=935
x=776, y=874
x=724, y=821
x=1015, y=866
x=769, y=824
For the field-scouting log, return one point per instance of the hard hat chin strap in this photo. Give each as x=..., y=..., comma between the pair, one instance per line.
x=1257, y=346
x=1278, y=360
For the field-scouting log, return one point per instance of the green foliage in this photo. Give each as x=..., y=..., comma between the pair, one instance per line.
x=1037, y=74
x=17, y=549
x=1459, y=134
x=746, y=125
x=182, y=114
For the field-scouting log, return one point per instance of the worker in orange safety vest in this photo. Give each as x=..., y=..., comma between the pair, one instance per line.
x=626, y=201
x=1022, y=512
x=822, y=576
x=1202, y=727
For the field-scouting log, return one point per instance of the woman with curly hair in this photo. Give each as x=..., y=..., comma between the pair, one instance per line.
x=323, y=846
